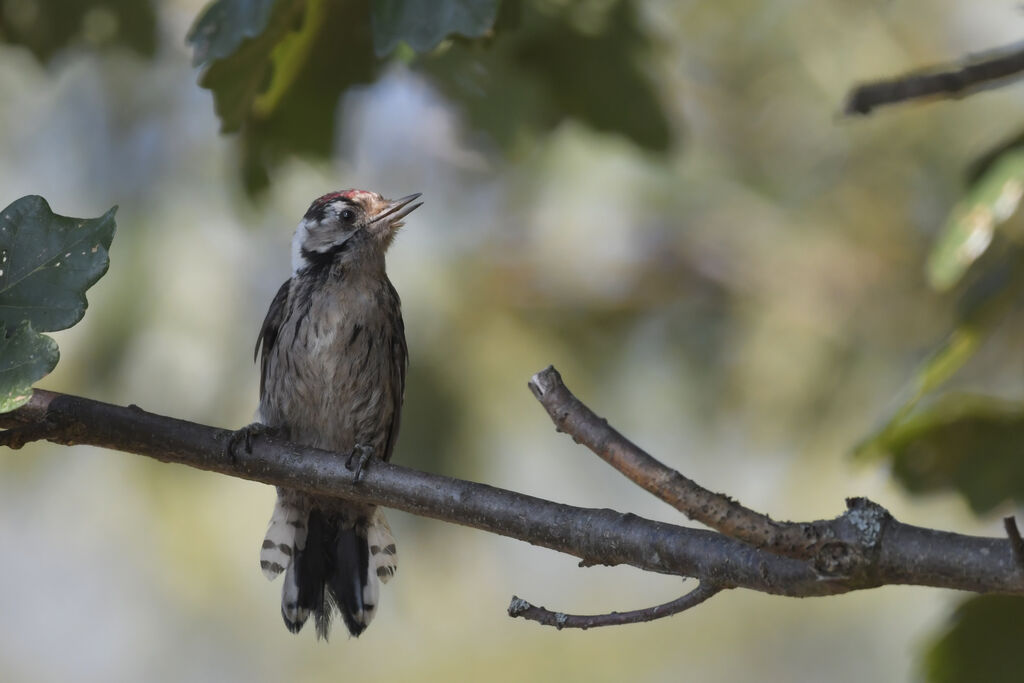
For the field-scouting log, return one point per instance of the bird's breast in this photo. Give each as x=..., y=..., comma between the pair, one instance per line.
x=334, y=352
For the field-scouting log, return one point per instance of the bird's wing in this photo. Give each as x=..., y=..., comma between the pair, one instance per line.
x=400, y=356
x=268, y=333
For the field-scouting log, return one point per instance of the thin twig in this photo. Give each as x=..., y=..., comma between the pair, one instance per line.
x=1016, y=542
x=521, y=608
x=975, y=73
x=716, y=510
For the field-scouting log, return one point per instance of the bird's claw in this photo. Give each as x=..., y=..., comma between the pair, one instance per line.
x=245, y=436
x=361, y=455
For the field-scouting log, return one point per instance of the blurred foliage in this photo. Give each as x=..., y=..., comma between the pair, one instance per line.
x=979, y=643
x=281, y=89
x=277, y=72
x=990, y=201
x=47, y=262
x=965, y=443
x=984, y=303
x=742, y=308
x=224, y=25
x=550, y=63
x=423, y=26
x=248, y=54
x=969, y=443
x=276, y=68
x=46, y=27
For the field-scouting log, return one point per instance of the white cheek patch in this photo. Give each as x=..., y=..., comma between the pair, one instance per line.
x=303, y=239
x=318, y=237
x=300, y=237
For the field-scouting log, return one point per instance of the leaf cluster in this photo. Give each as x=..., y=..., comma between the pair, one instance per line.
x=514, y=70
x=47, y=262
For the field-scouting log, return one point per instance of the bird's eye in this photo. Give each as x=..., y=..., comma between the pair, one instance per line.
x=348, y=215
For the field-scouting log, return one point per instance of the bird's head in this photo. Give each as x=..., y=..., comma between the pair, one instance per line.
x=354, y=226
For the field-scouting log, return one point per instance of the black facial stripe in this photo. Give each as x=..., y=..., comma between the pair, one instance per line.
x=323, y=259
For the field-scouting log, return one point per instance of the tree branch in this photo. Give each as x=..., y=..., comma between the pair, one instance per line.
x=975, y=73
x=862, y=548
x=1016, y=542
x=521, y=608
x=716, y=510
x=596, y=536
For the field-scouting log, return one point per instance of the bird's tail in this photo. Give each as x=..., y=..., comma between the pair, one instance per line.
x=331, y=563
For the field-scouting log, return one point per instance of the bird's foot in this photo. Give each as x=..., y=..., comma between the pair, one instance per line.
x=359, y=458
x=244, y=437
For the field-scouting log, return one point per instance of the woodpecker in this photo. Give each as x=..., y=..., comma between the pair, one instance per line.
x=333, y=368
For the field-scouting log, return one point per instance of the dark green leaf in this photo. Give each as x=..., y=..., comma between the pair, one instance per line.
x=549, y=64
x=242, y=77
x=277, y=71
x=224, y=25
x=984, y=303
x=963, y=443
x=47, y=262
x=424, y=25
x=25, y=357
x=47, y=26
x=544, y=64
x=332, y=51
x=991, y=201
x=980, y=643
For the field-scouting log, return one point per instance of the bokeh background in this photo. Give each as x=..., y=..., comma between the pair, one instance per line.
x=742, y=292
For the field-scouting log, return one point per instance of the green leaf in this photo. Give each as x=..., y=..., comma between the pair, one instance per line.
x=47, y=262
x=25, y=357
x=277, y=70
x=984, y=303
x=964, y=443
x=289, y=58
x=552, y=63
x=239, y=78
x=991, y=201
x=542, y=64
x=980, y=643
x=224, y=25
x=424, y=25
x=297, y=111
x=45, y=27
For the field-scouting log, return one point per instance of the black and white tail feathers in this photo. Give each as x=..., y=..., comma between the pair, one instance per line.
x=328, y=565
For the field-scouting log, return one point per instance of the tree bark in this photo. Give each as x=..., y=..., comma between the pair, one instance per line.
x=862, y=548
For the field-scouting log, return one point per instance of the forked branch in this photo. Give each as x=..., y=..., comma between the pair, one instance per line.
x=715, y=510
x=862, y=548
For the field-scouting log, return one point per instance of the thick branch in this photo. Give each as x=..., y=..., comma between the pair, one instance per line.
x=901, y=553
x=596, y=536
x=975, y=74
x=851, y=547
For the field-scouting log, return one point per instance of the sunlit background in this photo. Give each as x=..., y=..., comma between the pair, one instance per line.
x=745, y=306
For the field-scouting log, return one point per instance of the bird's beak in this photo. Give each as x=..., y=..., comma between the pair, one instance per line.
x=398, y=209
